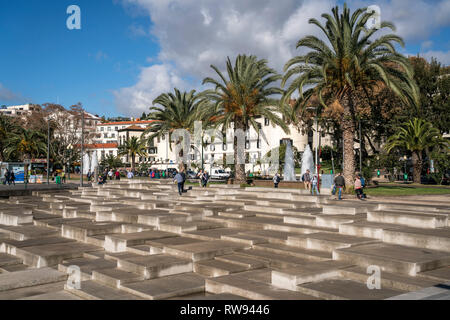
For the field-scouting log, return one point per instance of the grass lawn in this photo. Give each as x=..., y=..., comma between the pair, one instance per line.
x=392, y=191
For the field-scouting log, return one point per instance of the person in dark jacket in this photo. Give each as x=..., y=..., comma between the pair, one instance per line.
x=179, y=179
x=339, y=182
x=183, y=174
x=12, y=178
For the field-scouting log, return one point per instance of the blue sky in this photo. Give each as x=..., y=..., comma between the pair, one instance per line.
x=129, y=51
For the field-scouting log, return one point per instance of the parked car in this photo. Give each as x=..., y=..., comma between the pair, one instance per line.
x=191, y=174
x=217, y=173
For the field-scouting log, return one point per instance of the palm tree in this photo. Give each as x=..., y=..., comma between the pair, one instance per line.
x=112, y=162
x=417, y=136
x=242, y=97
x=350, y=64
x=173, y=112
x=25, y=145
x=133, y=147
x=7, y=127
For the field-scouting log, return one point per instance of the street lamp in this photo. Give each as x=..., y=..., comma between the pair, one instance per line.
x=316, y=160
x=69, y=149
x=405, y=158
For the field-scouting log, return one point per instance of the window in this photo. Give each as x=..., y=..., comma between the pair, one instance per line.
x=102, y=129
x=111, y=152
x=213, y=147
x=113, y=135
x=224, y=147
x=266, y=122
x=105, y=135
x=109, y=128
x=247, y=143
x=103, y=154
x=258, y=143
x=117, y=128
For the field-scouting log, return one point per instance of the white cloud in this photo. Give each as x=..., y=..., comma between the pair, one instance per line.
x=441, y=56
x=7, y=95
x=152, y=82
x=193, y=34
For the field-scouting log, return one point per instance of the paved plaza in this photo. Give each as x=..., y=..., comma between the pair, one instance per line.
x=137, y=239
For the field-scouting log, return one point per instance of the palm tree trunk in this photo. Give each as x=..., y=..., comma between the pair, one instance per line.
x=132, y=162
x=239, y=167
x=348, y=129
x=417, y=165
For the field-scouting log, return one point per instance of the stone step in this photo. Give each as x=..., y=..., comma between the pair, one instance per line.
x=244, y=285
x=185, y=226
x=312, y=255
x=115, y=278
x=244, y=239
x=242, y=260
x=388, y=280
x=160, y=216
x=15, y=218
x=52, y=254
x=214, y=234
x=79, y=231
x=58, y=222
x=10, y=246
x=167, y=287
x=341, y=289
x=336, y=220
x=204, y=250
x=53, y=296
x=28, y=232
x=86, y=266
x=155, y=266
x=393, y=258
x=290, y=278
x=434, y=239
x=366, y=229
x=158, y=246
x=92, y=290
x=30, y=278
x=13, y=268
x=409, y=218
x=346, y=209
x=216, y=268
x=274, y=260
x=9, y=260
x=327, y=241
x=301, y=220
x=439, y=274
x=120, y=242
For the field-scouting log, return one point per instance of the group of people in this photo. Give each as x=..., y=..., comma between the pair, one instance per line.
x=10, y=178
x=311, y=183
x=204, y=178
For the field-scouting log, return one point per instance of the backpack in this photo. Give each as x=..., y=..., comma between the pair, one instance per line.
x=278, y=179
x=363, y=182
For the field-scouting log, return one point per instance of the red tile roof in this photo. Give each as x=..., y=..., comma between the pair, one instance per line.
x=99, y=146
x=125, y=122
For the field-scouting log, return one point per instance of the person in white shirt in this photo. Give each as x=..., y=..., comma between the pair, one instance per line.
x=130, y=175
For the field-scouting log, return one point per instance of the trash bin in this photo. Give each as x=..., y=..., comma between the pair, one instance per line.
x=58, y=180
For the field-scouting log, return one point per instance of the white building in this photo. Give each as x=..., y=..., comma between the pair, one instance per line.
x=21, y=110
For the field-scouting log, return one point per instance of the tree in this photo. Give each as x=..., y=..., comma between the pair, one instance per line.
x=172, y=112
x=8, y=127
x=346, y=68
x=111, y=162
x=133, y=147
x=143, y=116
x=239, y=99
x=433, y=81
x=417, y=136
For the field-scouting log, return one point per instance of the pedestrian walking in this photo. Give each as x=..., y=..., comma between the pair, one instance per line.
x=315, y=183
x=117, y=175
x=183, y=174
x=276, y=180
x=130, y=175
x=205, y=179
x=179, y=180
x=358, y=187
x=12, y=178
x=339, y=182
x=110, y=174
x=306, y=178
x=7, y=177
x=63, y=177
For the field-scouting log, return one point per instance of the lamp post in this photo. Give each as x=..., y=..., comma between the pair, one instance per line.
x=48, y=150
x=82, y=147
x=405, y=158
x=69, y=149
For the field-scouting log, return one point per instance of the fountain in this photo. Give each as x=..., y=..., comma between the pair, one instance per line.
x=307, y=160
x=289, y=167
x=90, y=162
